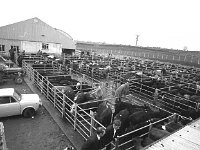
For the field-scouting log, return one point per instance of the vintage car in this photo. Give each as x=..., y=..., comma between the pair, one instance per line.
x=14, y=103
x=7, y=73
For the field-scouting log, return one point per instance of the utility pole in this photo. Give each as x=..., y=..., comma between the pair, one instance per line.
x=137, y=36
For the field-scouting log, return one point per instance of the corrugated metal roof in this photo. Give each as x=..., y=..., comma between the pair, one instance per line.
x=36, y=30
x=187, y=138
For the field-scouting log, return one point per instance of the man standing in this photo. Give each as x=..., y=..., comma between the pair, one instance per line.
x=12, y=54
x=123, y=90
x=111, y=134
x=93, y=142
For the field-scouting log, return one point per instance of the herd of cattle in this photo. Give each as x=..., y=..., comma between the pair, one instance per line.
x=164, y=88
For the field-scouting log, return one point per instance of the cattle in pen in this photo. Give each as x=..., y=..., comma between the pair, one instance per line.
x=86, y=101
x=104, y=114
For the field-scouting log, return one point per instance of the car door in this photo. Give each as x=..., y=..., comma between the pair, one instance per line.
x=9, y=106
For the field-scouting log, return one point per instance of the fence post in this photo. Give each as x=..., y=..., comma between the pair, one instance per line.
x=197, y=107
x=70, y=71
x=83, y=77
x=37, y=80
x=184, y=58
x=41, y=88
x=176, y=117
x=63, y=106
x=32, y=75
x=75, y=115
x=150, y=127
x=47, y=87
x=28, y=72
x=92, y=122
x=54, y=97
x=117, y=143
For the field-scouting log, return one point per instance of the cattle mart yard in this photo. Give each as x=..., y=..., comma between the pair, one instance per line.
x=34, y=76
x=40, y=132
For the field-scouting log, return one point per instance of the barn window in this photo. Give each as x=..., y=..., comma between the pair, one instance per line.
x=2, y=48
x=45, y=46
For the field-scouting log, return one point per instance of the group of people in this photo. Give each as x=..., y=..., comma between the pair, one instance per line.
x=102, y=137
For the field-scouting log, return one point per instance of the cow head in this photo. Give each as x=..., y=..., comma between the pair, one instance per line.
x=72, y=110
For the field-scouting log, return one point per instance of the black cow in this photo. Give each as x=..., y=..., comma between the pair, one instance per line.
x=82, y=99
x=67, y=90
x=123, y=116
x=104, y=114
x=156, y=134
x=142, y=116
x=130, y=107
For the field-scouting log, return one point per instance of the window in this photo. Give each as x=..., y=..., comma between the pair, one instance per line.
x=2, y=48
x=7, y=100
x=4, y=100
x=45, y=46
x=12, y=100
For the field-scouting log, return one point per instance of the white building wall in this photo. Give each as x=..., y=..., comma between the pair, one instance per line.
x=34, y=47
x=54, y=48
x=9, y=43
x=31, y=47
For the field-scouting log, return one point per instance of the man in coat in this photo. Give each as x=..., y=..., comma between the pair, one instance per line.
x=123, y=90
x=93, y=142
x=111, y=134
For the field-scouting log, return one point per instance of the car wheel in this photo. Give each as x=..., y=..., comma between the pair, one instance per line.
x=28, y=112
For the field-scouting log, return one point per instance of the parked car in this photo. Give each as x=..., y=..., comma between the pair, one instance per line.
x=13, y=103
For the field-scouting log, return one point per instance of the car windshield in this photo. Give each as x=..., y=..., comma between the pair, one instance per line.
x=17, y=95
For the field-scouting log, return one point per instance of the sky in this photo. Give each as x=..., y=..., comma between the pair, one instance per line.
x=158, y=23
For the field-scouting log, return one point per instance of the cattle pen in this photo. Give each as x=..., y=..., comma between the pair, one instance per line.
x=84, y=122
